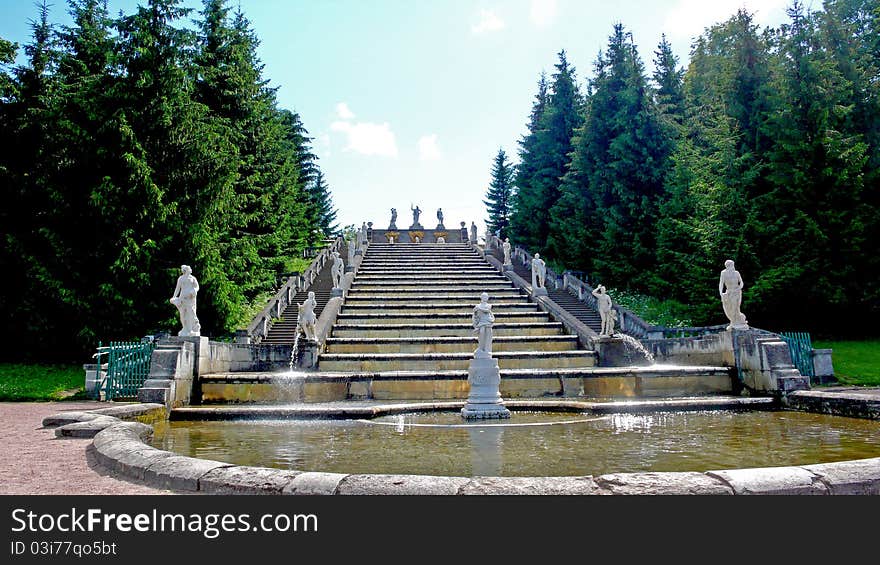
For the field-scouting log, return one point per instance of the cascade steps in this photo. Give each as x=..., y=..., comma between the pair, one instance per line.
x=410, y=307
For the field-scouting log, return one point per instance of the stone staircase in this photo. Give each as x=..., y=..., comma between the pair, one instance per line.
x=409, y=310
x=562, y=297
x=283, y=331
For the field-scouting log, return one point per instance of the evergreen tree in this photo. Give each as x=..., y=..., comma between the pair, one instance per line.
x=548, y=159
x=719, y=164
x=810, y=219
x=669, y=82
x=527, y=167
x=615, y=183
x=498, y=197
x=323, y=202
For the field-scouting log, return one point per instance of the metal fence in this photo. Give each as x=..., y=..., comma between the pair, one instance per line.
x=801, y=348
x=128, y=366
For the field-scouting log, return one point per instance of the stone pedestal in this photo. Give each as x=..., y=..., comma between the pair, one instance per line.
x=539, y=291
x=484, y=400
x=617, y=351
x=336, y=291
x=308, y=357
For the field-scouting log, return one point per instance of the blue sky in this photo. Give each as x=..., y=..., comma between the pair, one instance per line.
x=409, y=100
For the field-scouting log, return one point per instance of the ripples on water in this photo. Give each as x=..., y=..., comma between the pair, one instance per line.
x=574, y=444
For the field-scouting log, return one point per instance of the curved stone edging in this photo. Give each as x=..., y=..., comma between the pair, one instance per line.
x=120, y=447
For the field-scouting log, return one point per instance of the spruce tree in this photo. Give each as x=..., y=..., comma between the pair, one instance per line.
x=323, y=203
x=499, y=195
x=549, y=157
x=615, y=183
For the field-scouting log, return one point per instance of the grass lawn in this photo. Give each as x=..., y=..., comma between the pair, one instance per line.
x=32, y=381
x=855, y=362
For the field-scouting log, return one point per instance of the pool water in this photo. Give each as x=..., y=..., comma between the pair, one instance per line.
x=530, y=444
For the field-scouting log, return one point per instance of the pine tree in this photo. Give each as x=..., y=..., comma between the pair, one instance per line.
x=499, y=195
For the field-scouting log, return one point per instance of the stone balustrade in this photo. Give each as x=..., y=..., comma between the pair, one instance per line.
x=262, y=322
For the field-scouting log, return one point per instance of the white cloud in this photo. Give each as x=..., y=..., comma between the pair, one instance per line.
x=428, y=148
x=689, y=18
x=543, y=12
x=342, y=111
x=367, y=138
x=489, y=21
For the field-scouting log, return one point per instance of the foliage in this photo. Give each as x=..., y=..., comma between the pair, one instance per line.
x=499, y=195
x=765, y=150
x=135, y=145
x=855, y=362
x=655, y=311
x=40, y=382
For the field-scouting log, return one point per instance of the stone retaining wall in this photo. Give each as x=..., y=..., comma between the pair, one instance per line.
x=120, y=447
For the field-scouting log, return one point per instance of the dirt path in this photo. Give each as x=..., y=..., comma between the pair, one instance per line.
x=34, y=461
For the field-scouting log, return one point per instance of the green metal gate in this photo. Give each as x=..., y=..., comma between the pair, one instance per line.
x=801, y=348
x=128, y=366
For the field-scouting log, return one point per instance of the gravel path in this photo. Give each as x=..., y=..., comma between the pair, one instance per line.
x=34, y=461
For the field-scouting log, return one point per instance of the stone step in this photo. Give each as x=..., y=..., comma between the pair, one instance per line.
x=422, y=271
x=355, y=362
x=445, y=265
x=436, y=318
x=406, y=301
x=407, y=309
x=422, y=345
x=442, y=329
x=433, y=276
x=428, y=286
x=362, y=305
x=428, y=294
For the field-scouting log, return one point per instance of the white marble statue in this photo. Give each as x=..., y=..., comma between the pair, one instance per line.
x=506, y=248
x=363, y=233
x=441, y=239
x=338, y=270
x=473, y=233
x=483, y=318
x=307, y=320
x=730, y=287
x=352, y=248
x=606, y=311
x=539, y=271
x=185, y=299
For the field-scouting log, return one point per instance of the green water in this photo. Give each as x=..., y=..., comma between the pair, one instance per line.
x=565, y=444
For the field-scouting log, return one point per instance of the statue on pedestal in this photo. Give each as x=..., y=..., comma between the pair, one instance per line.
x=184, y=298
x=473, y=233
x=307, y=319
x=393, y=224
x=351, y=251
x=483, y=318
x=606, y=311
x=539, y=271
x=440, y=225
x=416, y=213
x=338, y=270
x=730, y=286
x=506, y=248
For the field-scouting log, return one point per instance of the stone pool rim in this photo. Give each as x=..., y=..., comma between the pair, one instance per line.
x=120, y=445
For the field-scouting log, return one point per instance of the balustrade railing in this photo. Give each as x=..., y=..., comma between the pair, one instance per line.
x=627, y=321
x=262, y=322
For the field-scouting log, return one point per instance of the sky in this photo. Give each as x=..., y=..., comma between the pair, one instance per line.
x=409, y=101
